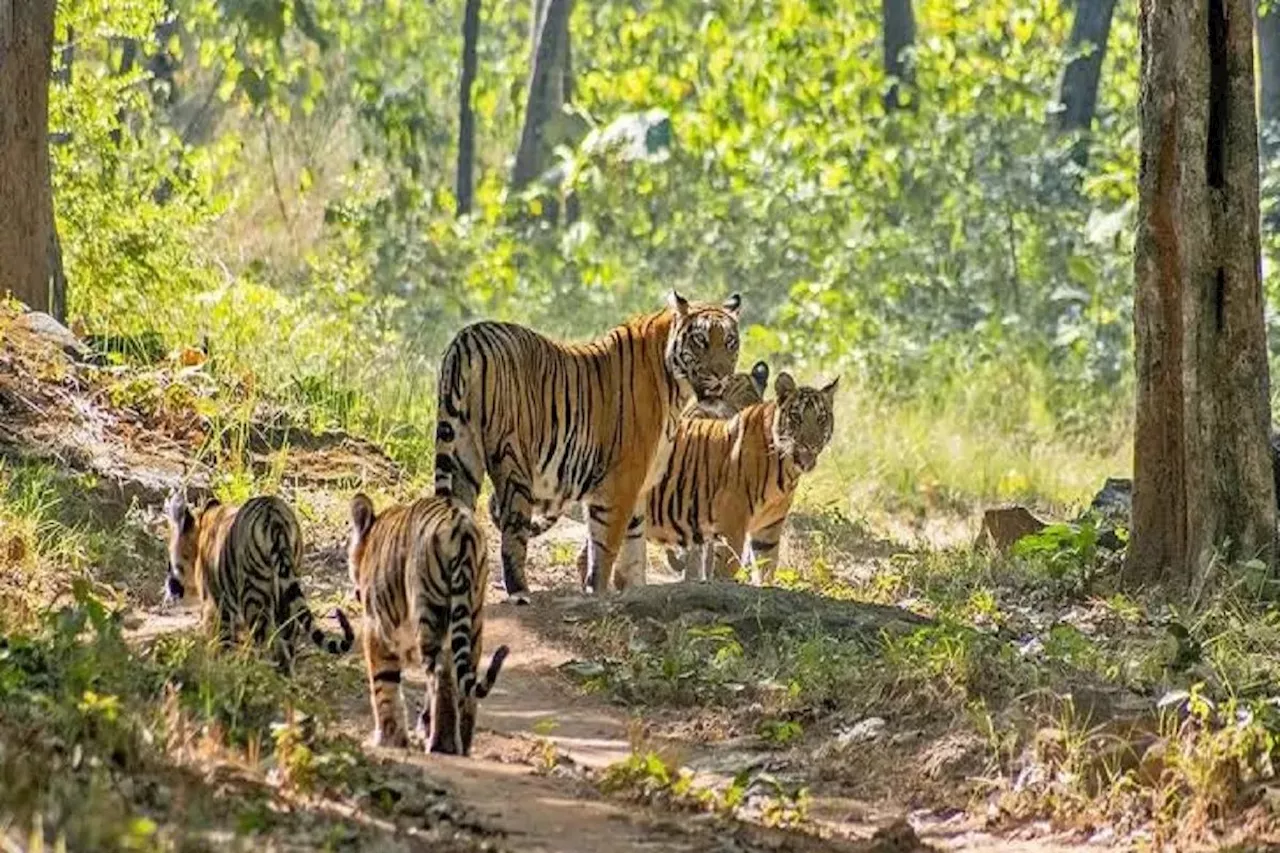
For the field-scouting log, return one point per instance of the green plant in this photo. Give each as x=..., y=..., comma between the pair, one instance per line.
x=780, y=732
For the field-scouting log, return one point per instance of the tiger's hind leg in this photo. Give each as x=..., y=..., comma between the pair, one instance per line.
x=432, y=629
x=384, y=669
x=459, y=463
x=633, y=561
x=446, y=738
x=608, y=529
x=515, y=521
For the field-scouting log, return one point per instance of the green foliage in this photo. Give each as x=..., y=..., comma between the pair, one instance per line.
x=645, y=775
x=87, y=723
x=278, y=177
x=681, y=665
x=780, y=732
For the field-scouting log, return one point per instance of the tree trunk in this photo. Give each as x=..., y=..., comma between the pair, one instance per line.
x=466, y=116
x=1078, y=91
x=1269, y=65
x=899, y=36
x=26, y=200
x=549, y=87
x=1202, y=478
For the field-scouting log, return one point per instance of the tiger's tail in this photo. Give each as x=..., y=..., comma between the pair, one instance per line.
x=301, y=616
x=459, y=455
x=293, y=609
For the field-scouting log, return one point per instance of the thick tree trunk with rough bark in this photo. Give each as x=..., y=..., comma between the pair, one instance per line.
x=550, y=86
x=1078, y=91
x=1202, y=477
x=26, y=201
x=464, y=185
x=899, y=35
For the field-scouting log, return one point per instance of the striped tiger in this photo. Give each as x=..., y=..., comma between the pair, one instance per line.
x=742, y=390
x=421, y=570
x=553, y=423
x=745, y=389
x=243, y=563
x=735, y=479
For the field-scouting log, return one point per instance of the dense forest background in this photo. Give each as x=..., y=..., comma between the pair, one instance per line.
x=271, y=216
x=282, y=178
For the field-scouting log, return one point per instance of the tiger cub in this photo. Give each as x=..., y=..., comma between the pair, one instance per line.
x=243, y=563
x=735, y=479
x=744, y=389
x=421, y=570
x=555, y=423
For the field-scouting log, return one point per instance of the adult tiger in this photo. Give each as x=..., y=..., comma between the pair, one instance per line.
x=243, y=563
x=553, y=423
x=735, y=479
x=421, y=570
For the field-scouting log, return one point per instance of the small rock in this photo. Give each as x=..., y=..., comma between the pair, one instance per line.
x=43, y=325
x=863, y=731
x=1032, y=648
x=583, y=669
x=905, y=737
x=1105, y=836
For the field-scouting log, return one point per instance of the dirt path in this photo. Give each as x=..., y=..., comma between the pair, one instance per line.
x=533, y=707
x=534, y=703
x=538, y=734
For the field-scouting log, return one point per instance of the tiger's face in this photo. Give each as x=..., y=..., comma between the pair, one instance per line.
x=803, y=420
x=184, y=544
x=742, y=390
x=747, y=389
x=702, y=348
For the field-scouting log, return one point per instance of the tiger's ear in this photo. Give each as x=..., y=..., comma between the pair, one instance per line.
x=829, y=390
x=175, y=507
x=179, y=515
x=760, y=377
x=732, y=304
x=784, y=386
x=678, y=304
x=362, y=515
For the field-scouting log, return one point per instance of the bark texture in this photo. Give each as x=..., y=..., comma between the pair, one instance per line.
x=26, y=200
x=1202, y=477
x=550, y=88
x=899, y=35
x=464, y=185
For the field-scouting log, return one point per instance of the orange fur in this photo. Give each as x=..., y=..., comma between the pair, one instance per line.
x=734, y=480
x=554, y=423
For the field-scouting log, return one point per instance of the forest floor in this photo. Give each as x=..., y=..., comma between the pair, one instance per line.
x=896, y=691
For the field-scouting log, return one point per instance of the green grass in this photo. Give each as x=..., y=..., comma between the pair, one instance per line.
x=955, y=452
